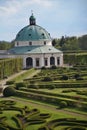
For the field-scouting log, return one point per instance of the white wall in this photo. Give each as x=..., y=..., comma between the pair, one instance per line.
x=34, y=56
x=35, y=43
x=41, y=58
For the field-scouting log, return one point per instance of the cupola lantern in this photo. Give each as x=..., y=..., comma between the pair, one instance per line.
x=32, y=20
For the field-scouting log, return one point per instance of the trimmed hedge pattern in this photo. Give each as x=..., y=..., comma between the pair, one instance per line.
x=34, y=117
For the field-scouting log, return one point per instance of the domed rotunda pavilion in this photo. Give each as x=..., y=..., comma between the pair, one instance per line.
x=34, y=44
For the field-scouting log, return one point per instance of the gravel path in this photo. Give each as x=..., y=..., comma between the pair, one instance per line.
x=3, y=82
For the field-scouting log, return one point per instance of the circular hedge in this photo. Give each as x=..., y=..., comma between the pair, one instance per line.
x=9, y=91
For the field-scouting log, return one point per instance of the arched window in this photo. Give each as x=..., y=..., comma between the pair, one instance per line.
x=52, y=60
x=29, y=62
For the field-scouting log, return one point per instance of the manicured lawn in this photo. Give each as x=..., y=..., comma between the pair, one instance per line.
x=43, y=108
x=24, y=75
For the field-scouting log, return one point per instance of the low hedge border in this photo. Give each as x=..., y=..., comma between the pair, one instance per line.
x=54, y=94
x=50, y=99
x=18, y=122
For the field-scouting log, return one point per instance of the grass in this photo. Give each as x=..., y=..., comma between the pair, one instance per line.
x=24, y=75
x=56, y=113
x=20, y=103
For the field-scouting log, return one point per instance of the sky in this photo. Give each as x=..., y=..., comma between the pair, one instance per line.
x=58, y=17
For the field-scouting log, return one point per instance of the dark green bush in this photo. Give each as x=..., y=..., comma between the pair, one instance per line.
x=47, y=79
x=76, y=76
x=20, y=84
x=52, y=86
x=9, y=91
x=53, y=67
x=63, y=104
x=64, y=77
x=79, y=78
x=10, y=82
x=43, y=68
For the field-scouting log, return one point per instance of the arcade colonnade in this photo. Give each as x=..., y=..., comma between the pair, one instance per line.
x=46, y=60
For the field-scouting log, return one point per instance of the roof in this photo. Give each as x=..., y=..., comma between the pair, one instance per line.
x=32, y=33
x=34, y=50
x=32, y=17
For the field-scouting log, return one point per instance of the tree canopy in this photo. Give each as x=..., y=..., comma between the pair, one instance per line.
x=71, y=43
x=64, y=43
x=4, y=45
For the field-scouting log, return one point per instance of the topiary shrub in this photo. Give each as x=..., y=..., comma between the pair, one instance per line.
x=20, y=84
x=76, y=76
x=52, y=86
x=9, y=91
x=47, y=79
x=79, y=78
x=43, y=68
x=63, y=104
x=10, y=82
x=53, y=67
x=64, y=77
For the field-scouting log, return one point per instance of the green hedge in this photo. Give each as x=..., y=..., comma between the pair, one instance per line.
x=10, y=66
x=75, y=58
x=18, y=122
x=59, y=85
x=51, y=100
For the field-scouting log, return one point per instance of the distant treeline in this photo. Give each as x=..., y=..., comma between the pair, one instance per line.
x=71, y=43
x=65, y=43
x=4, y=45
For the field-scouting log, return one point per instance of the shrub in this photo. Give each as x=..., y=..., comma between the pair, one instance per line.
x=53, y=67
x=63, y=104
x=52, y=86
x=79, y=78
x=9, y=91
x=64, y=77
x=47, y=79
x=76, y=76
x=20, y=84
x=10, y=82
x=43, y=67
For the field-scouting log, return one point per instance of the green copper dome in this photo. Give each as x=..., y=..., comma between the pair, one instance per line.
x=32, y=32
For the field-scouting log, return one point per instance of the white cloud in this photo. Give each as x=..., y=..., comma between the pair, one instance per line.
x=12, y=7
x=9, y=8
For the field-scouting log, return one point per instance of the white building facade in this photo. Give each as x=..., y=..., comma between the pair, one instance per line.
x=34, y=44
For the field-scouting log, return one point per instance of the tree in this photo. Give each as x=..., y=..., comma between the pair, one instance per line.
x=62, y=41
x=4, y=45
x=54, y=42
x=71, y=44
x=83, y=42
